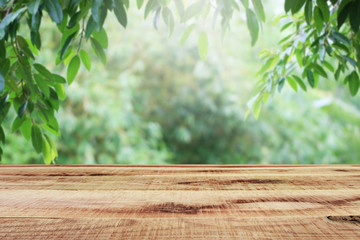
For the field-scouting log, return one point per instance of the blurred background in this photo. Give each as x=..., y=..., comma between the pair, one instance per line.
x=156, y=102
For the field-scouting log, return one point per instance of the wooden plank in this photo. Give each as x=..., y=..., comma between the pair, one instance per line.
x=180, y=202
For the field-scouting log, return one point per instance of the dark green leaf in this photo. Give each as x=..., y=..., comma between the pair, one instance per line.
x=297, y=5
x=319, y=70
x=99, y=51
x=90, y=27
x=120, y=12
x=2, y=82
x=42, y=85
x=43, y=71
x=343, y=12
x=54, y=9
x=34, y=6
x=340, y=37
x=2, y=135
x=96, y=10
x=22, y=109
x=67, y=44
x=308, y=11
x=310, y=77
x=355, y=16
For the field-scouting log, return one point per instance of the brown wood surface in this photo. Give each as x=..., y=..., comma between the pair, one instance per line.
x=180, y=202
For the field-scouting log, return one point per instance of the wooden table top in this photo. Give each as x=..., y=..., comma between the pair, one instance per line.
x=180, y=202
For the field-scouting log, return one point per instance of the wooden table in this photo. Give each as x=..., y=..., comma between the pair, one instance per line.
x=180, y=202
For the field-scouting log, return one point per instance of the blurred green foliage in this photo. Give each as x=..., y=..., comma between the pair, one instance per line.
x=155, y=102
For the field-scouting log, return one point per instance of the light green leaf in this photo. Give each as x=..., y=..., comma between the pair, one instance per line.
x=292, y=83
x=203, y=45
x=85, y=58
x=252, y=25
x=139, y=3
x=259, y=9
x=186, y=34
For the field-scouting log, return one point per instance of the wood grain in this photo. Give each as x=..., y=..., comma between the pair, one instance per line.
x=180, y=202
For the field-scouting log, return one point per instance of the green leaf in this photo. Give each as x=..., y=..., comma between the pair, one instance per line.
x=318, y=19
x=324, y=8
x=67, y=44
x=308, y=11
x=259, y=9
x=43, y=71
x=319, y=70
x=292, y=83
x=139, y=3
x=120, y=12
x=22, y=109
x=90, y=27
x=186, y=33
x=192, y=11
x=340, y=37
x=354, y=83
x=26, y=129
x=17, y=123
x=203, y=45
x=54, y=9
x=33, y=6
x=73, y=69
x=168, y=19
x=180, y=7
x=60, y=90
x=58, y=79
x=85, y=59
x=310, y=77
x=252, y=25
x=36, y=138
x=101, y=37
x=99, y=51
x=2, y=82
x=95, y=11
